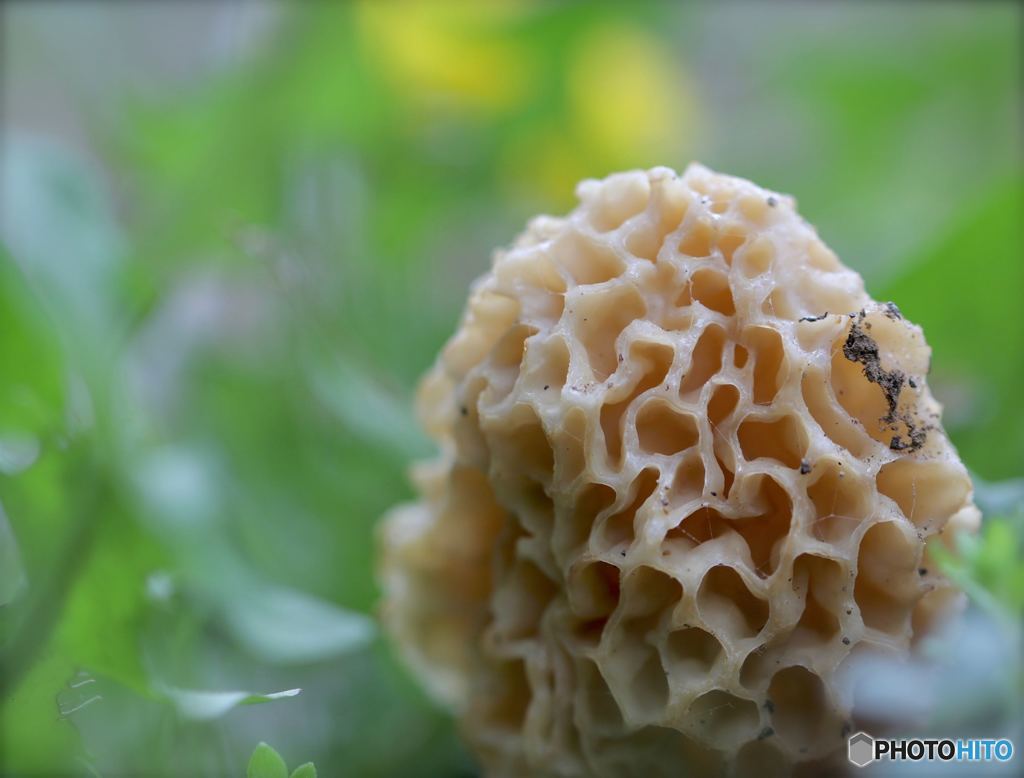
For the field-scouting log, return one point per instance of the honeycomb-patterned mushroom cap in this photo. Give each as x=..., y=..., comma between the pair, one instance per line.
x=688, y=471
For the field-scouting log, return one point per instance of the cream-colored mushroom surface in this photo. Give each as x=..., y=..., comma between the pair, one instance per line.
x=688, y=470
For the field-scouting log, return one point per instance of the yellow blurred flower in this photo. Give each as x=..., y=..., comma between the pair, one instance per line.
x=453, y=53
x=628, y=104
x=629, y=101
x=625, y=101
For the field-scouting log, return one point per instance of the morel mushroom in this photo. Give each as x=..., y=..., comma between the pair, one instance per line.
x=688, y=471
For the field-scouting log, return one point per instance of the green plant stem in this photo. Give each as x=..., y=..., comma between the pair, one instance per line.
x=26, y=646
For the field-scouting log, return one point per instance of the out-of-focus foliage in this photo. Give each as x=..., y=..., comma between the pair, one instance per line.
x=990, y=566
x=265, y=762
x=215, y=304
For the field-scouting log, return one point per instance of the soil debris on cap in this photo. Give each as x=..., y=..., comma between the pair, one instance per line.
x=814, y=318
x=863, y=349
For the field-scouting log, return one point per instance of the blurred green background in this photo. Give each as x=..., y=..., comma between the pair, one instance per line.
x=233, y=234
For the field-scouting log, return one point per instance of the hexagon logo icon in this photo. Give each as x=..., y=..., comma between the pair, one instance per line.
x=861, y=749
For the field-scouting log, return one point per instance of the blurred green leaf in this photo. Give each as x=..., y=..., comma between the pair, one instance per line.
x=12, y=572
x=31, y=371
x=990, y=566
x=307, y=770
x=82, y=607
x=100, y=622
x=37, y=740
x=44, y=184
x=368, y=409
x=286, y=626
x=996, y=561
x=17, y=454
x=265, y=762
x=206, y=705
